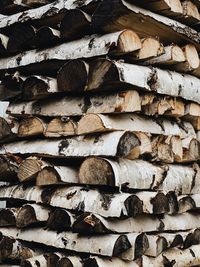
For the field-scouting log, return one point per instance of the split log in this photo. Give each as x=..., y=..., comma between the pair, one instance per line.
x=31, y=126
x=8, y=129
x=190, y=12
x=75, y=24
x=192, y=60
x=8, y=217
x=31, y=214
x=115, y=144
x=8, y=169
x=28, y=169
x=190, y=202
x=134, y=244
x=103, y=262
x=60, y=220
x=150, y=79
x=10, y=86
x=173, y=54
x=71, y=261
x=95, y=224
x=36, y=87
x=59, y=127
x=12, y=249
x=121, y=14
x=177, y=178
x=196, y=123
x=46, y=37
x=117, y=43
x=21, y=38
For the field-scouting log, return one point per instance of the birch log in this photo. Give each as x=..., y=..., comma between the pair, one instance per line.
x=102, y=203
x=122, y=42
x=60, y=220
x=59, y=127
x=70, y=260
x=103, y=262
x=108, y=245
x=8, y=217
x=31, y=214
x=150, y=79
x=188, y=202
x=8, y=169
x=115, y=144
x=46, y=37
x=177, y=178
x=190, y=12
x=31, y=126
x=126, y=15
x=93, y=224
x=3, y=44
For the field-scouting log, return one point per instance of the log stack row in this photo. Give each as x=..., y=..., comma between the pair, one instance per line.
x=100, y=133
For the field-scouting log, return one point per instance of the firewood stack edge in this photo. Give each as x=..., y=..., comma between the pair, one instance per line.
x=100, y=133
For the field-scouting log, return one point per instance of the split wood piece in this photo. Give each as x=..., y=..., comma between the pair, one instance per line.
x=43, y=14
x=31, y=214
x=121, y=14
x=46, y=37
x=8, y=169
x=8, y=217
x=176, y=257
x=92, y=123
x=190, y=12
x=115, y=144
x=95, y=224
x=3, y=44
x=192, y=153
x=107, y=245
x=46, y=173
x=190, y=202
x=102, y=203
x=167, y=106
x=112, y=74
x=59, y=127
x=192, y=60
x=60, y=220
x=9, y=7
x=151, y=47
x=196, y=72
x=172, y=55
x=21, y=38
x=31, y=126
x=36, y=87
x=75, y=24
x=72, y=261
x=117, y=43
x=196, y=123
x=8, y=129
x=10, y=86
x=12, y=249
x=99, y=171
x=104, y=262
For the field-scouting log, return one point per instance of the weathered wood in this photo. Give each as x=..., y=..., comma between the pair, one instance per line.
x=31, y=214
x=8, y=217
x=60, y=220
x=115, y=144
x=31, y=126
x=90, y=224
x=117, y=43
x=58, y=127
x=8, y=129
x=29, y=169
x=36, y=87
x=95, y=245
x=120, y=14
x=177, y=178
x=75, y=24
x=72, y=261
x=46, y=37
x=8, y=169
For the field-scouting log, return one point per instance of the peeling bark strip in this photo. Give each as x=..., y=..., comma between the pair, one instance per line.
x=150, y=79
x=43, y=12
x=122, y=42
x=115, y=144
x=92, y=223
x=119, y=14
x=102, y=203
x=147, y=176
x=116, y=244
x=46, y=173
x=12, y=249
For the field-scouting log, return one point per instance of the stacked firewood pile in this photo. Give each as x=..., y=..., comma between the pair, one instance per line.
x=99, y=133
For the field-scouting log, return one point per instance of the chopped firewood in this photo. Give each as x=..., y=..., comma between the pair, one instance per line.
x=60, y=220
x=8, y=217
x=8, y=169
x=31, y=126
x=59, y=127
x=190, y=12
x=46, y=36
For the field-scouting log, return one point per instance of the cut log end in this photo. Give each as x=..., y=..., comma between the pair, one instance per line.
x=30, y=127
x=28, y=169
x=128, y=41
x=59, y=220
x=47, y=176
x=25, y=217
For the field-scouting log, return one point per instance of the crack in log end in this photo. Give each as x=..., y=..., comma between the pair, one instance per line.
x=141, y=245
x=160, y=204
x=96, y=171
x=47, y=194
x=134, y=206
x=129, y=144
x=122, y=244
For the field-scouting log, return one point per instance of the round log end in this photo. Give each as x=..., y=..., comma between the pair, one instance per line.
x=25, y=217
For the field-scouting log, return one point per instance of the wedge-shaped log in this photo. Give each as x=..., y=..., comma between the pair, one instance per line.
x=93, y=224
x=46, y=173
x=94, y=245
x=188, y=202
x=117, y=43
x=129, y=16
x=8, y=217
x=115, y=144
x=99, y=171
x=60, y=220
x=31, y=214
